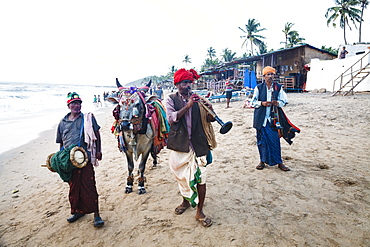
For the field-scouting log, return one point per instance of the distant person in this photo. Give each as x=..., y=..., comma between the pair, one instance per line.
x=83, y=195
x=229, y=91
x=159, y=92
x=266, y=95
x=95, y=101
x=99, y=101
x=343, y=53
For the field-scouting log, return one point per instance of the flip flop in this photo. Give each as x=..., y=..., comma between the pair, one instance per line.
x=98, y=222
x=181, y=209
x=260, y=166
x=283, y=167
x=206, y=222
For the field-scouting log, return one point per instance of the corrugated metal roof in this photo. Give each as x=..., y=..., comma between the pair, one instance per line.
x=255, y=58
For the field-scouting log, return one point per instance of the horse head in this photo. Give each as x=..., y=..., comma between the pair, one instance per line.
x=132, y=110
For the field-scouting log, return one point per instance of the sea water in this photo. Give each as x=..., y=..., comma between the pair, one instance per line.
x=27, y=109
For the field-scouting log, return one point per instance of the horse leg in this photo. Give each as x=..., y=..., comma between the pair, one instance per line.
x=141, y=180
x=130, y=178
x=154, y=156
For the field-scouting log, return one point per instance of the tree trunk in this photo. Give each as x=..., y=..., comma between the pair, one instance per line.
x=344, y=34
x=359, y=30
x=251, y=47
x=286, y=41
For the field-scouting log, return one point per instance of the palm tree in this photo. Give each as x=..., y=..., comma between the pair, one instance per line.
x=294, y=39
x=250, y=30
x=171, y=72
x=187, y=59
x=228, y=55
x=210, y=64
x=263, y=48
x=346, y=10
x=364, y=4
x=330, y=49
x=211, y=52
x=287, y=32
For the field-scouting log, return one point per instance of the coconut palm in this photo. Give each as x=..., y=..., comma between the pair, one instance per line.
x=364, y=4
x=228, y=55
x=211, y=53
x=294, y=39
x=346, y=11
x=210, y=64
x=171, y=72
x=187, y=59
x=263, y=48
x=250, y=30
x=287, y=32
x=330, y=49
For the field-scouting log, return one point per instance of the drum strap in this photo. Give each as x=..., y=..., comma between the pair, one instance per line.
x=81, y=131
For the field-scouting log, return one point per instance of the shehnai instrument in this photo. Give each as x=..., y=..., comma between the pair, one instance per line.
x=225, y=127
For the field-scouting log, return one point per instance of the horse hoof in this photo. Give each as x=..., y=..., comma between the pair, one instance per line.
x=128, y=190
x=141, y=191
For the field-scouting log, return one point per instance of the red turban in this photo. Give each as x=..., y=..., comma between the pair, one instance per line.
x=183, y=74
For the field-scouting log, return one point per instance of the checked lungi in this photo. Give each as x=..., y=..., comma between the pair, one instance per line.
x=83, y=195
x=268, y=143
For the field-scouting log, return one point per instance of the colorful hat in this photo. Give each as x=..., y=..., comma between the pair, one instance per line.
x=183, y=74
x=73, y=97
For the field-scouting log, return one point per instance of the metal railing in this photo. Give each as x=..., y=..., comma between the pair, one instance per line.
x=362, y=63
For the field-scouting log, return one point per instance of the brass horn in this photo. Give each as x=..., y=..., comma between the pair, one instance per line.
x=225, y=127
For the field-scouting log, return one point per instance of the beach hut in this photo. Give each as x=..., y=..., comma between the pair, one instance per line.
x=289, y=64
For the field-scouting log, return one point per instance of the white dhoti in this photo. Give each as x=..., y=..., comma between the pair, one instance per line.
x=189, y=171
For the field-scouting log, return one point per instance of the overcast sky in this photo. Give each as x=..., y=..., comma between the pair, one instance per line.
x=93, y=42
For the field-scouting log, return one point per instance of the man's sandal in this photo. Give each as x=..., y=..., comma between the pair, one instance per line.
x=260, y=166
x=283, y=167
x=206, y=222
x=181, y=209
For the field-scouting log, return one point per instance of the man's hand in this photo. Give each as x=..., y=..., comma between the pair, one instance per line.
x=266, y=103
x=99, y=155
x=193, y=98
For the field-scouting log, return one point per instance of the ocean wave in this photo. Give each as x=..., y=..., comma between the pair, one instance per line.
x=20, y=102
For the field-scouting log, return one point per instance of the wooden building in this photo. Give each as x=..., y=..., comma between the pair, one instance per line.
x=289, y=63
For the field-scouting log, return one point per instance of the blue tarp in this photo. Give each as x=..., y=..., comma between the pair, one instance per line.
x=250, y=79
x=247, y=79
x=253, y=79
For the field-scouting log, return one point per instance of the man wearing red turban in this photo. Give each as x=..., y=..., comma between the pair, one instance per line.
x=183, y=74
x=190, y=141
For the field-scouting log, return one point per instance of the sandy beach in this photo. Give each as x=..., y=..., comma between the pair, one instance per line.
x=323, y=201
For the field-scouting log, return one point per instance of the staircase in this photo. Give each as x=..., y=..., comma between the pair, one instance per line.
x=353, y=76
